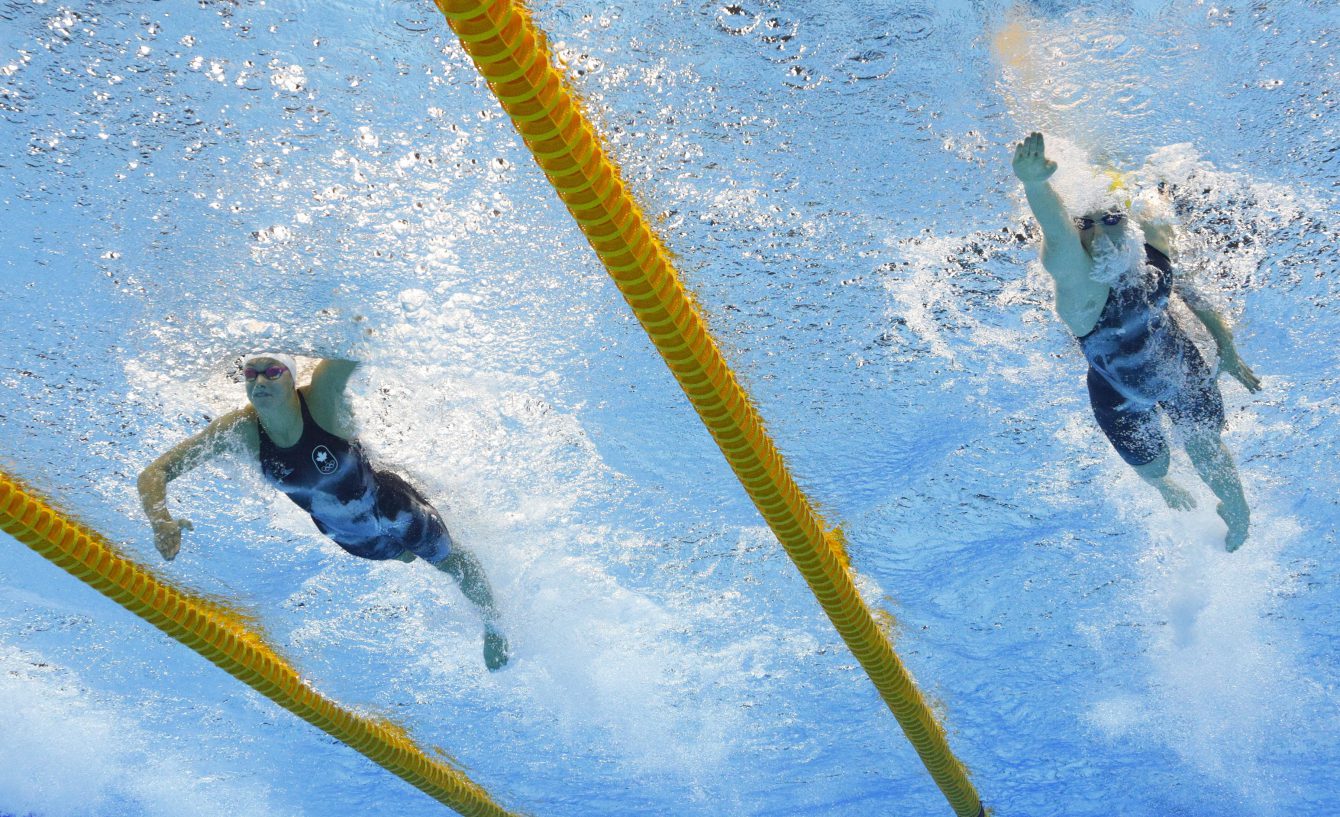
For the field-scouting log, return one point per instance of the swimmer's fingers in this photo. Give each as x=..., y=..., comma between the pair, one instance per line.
x=1030, y=161
x=1047, y=164
x=1022, y=153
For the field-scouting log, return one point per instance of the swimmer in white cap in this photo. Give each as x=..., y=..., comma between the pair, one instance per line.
x=306, y=444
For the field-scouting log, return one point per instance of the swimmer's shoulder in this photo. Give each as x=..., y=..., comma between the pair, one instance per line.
x=327, y=400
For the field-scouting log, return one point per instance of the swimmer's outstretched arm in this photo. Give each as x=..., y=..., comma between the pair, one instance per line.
x=1061, y=249
x=463, y=566
x=223, y=434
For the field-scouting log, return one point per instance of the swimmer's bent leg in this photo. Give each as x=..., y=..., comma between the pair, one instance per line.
x=426, y=537
x=462, y=566
x=1199, y=414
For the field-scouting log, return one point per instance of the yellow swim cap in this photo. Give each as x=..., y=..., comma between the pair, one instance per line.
x=1117, y=181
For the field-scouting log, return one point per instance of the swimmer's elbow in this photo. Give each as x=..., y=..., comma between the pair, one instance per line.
x=337, y=366
x=152, y=488
x=331, y=376
x=170, y=464
x=154, y=477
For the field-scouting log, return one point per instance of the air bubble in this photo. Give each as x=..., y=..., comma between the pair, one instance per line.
x=289, y=78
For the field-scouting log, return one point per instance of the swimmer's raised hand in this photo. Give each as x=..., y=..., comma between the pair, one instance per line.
x=1031, y=164
x=167, y=536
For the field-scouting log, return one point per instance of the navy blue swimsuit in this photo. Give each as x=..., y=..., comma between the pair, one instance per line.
x=372, y=514
x=1139, y=358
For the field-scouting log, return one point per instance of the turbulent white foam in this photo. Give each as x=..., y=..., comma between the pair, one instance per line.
x=611, y=665
x=1115, y=260
x=69, y=752
x=1222, y=681
x=615, y=668
x=1079, y=178
x=922, y=289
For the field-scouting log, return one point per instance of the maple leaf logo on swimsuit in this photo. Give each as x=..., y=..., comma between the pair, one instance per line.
x=324, y=460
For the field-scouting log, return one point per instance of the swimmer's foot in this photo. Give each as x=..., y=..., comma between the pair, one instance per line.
x=1177, y=497
x=496, y=650
x=1237, y=520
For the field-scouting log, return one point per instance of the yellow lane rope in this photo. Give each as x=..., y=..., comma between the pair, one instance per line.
x=513, y=56
x=232, y=646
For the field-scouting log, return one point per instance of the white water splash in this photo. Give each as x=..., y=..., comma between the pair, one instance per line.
x=1222, y=680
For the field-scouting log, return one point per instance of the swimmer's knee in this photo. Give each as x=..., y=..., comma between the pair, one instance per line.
x=451, y=564
x=1157, y=468
x=1205, y=445
x=406, y=556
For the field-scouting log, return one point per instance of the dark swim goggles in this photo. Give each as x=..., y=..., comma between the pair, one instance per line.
x=272, y=373
x=1109, y=220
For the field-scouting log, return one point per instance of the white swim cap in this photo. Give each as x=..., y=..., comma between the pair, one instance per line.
x=282, y=359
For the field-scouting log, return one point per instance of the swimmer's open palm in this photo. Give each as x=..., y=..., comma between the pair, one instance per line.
x=167, y=537
x=1030, y=160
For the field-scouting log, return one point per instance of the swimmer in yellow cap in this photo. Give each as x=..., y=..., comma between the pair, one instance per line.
x=1113, y=280
x=304, y=439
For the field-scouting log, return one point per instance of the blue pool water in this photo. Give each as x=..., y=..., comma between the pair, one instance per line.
x=183, y=181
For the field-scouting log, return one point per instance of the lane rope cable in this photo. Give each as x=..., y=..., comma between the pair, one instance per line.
x=513, y=56
x=236, y=649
